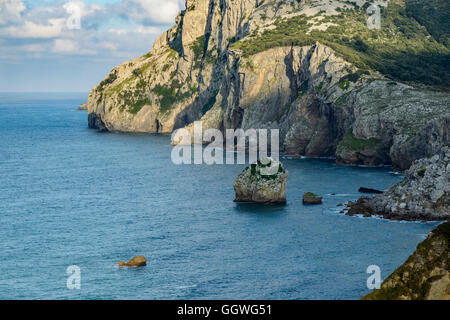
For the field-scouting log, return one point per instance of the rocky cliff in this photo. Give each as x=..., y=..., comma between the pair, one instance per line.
x=424, y=193
x=311, y=68
x=425, y=275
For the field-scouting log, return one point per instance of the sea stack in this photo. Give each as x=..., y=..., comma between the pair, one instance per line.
x=82, y=107
x=264, y=181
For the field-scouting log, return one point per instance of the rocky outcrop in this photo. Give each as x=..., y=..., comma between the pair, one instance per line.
x=395, y=124
x=426, y=273
x=178, y=80
x=287, y=65
x=426, y=142
x=136, y=261
x=264, y=181
x=311, y=198
x=82, y=107
x=424, y=193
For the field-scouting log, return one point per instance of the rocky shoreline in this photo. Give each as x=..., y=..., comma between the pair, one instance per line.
x=424, y=193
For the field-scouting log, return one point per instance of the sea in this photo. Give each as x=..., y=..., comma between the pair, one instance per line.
x=75, y=201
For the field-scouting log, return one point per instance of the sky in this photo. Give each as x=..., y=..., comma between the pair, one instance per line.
x=70, y=46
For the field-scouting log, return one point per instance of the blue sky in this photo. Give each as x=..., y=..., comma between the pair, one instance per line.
x=42, y=48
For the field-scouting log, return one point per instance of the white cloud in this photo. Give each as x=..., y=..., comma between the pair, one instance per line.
x=29, y=29
x=125, y=28
x=10, y=11
x=156, y=11
x=108, y=46
x=33, y=48
x=64, y=46
x=147, y=30
x=84, y=10
x=73, y=47
x=162, y=11
x=139, y=29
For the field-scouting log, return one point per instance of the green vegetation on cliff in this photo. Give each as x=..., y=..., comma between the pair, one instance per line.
x=199, y=47
x=352, y=143
x=108, y=80
x=414, y=279
x=170, y=95
x=434, y=15
x=137, y=106
x=402, y=49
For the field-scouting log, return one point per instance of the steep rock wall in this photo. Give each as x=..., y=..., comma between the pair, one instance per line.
x=237, y=64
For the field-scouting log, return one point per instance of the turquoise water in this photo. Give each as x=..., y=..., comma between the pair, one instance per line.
x=72, y=196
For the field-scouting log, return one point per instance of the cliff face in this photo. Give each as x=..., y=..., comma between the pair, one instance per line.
x=178, y=80
x=425, y=275
x=311, y=69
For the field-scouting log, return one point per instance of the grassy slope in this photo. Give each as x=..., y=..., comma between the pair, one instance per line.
x=434, y=15
x=402, y=49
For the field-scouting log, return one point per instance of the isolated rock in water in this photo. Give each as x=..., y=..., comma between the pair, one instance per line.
x=426, y=273
x=311, y=198
x=424, y=193
x=137, y=261
x=263, y=181
x=83, y=106
x=369, y=190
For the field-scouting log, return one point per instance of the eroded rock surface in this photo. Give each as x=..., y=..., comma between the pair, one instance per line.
x=263, y=181
x=424, y=193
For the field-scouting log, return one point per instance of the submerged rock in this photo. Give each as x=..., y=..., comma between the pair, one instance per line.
x=424, y=193
x=264, y=181
x=137, y=261
x=425, y=275
x=311, y=198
